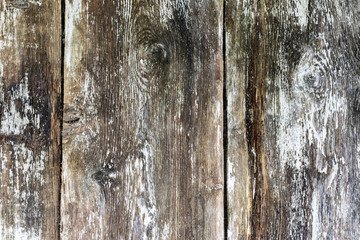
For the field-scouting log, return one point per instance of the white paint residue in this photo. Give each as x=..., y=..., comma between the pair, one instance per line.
x=23, y=165
x=301, y=12
x=247, y=6
x=231, y=177
x=315, y=218
x=310, y=116
x=16, y=232
x=184, y=7
x=142, y=200
x=7, y=20
x=291, y=138
x=330, y=179
x=314, y=105
x=149, y=213
x=166, y=231
x=16, y=117
x=166, y=12
x=73, y=11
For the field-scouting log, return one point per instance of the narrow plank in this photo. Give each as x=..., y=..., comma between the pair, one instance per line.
x=238, y=31
x=30, y=75
x=142, y=139
x=292, y=87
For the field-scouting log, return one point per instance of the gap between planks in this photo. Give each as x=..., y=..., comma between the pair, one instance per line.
x=225, y=127
x=61, y=111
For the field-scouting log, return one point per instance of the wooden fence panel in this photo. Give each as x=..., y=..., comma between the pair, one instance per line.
x=30, y=77
x=143, y=124
x=292, y=70
x=142, y=141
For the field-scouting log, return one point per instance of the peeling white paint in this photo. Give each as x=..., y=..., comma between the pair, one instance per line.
x=231, y=177
x=317, y=105
x=165, y=11
x=144, y=209
x=301, y=12
x=316, y=223
x=15, y=118
x=23, y=164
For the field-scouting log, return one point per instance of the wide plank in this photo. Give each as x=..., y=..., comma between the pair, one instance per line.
x=292, y=70
x=143, y=120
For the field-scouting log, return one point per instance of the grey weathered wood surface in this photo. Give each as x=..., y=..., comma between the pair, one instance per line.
x=143, y=124
x=143, y=155
x=30, y=63
x=292, y=72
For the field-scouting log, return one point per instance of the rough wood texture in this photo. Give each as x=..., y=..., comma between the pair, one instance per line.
x=143, y=154
x=293, y=107
x=143, y=119
x=29, y=119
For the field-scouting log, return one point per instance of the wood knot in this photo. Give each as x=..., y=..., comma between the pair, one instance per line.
x=159, y=52
x=105, y=175
x=313, y=74
x=101, y=177
x=316, y=82
x=151, y=54
x=154, y=57
x=71, y=115
x=71, y=122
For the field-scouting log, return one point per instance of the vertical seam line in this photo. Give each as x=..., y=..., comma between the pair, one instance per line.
x=225, y=126
x=61, y=111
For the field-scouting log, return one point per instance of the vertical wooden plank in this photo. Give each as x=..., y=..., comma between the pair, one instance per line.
x=238, y=22
x=142, y=140
x=293, y=82
x=30, y=75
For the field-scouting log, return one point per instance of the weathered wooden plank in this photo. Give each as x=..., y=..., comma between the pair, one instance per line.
x=237, y=35
x=142, y=140
x=292, y=80
x=30, y=75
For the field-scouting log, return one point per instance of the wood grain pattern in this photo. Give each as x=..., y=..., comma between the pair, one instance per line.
x=237, y=38
x=292, y=85
x=142, y=136
x=30, y=78
x=143, y=154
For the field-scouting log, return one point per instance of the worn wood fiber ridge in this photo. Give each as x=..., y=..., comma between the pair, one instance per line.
x=29, y=119
x=143, y=155
x=292, y=88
